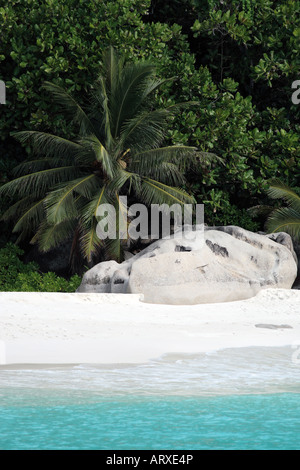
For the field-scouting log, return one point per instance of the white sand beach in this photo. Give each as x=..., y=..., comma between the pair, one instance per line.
x=51, y=328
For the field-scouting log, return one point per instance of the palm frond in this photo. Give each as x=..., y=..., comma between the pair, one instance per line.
x=89, y=241
x=95, y=151
x=38, y=183
x=18, y=208
x=122, y=178
x=47, y=144
x=32, y=166
x=90, y=209
x=71, y=108
x=61, y=203
x=27, y=214
x=152, y=85
x=128, y=95
x=147, y=161
x=261, y=210
x=114, y=246
x=112, y=68
x=285, y=220
x=155, y=192
x=279, y=190
x=168, y=173
x=144, y=131
x=114, y=249
x=31, y=218
x=50, y=236
x=100, y=99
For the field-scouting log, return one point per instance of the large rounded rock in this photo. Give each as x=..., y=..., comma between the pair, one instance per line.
x=217, y=264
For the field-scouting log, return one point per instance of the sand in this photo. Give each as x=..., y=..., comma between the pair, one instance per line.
x=52, y=328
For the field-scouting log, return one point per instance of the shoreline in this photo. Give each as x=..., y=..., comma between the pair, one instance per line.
x=58, y=329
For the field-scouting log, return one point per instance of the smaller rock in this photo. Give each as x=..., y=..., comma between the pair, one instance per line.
x=99, y=278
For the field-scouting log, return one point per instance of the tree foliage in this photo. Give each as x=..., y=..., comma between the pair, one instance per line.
x=237, y=59
x=246, y=59
x=118, y=150
x=16, y=276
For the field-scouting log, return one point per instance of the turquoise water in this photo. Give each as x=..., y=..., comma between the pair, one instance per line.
x=121, y=423
x=233, y=399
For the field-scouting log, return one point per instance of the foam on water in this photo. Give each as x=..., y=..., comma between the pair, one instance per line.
x=231, y=371
x=245, y=398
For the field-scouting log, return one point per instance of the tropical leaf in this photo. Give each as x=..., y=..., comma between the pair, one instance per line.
x=71, y=108
x=285, y=220
x=32, y=166
x=30, y=219
x=149, y=160
x=154, y=192
x=48, y=144
x=89, y=241
x=38, y=183
x=61, y=203
x=94, y=146
x=168, y=172
x=279, y=190
x=17, y=208
x=122, y=179
x=99, y=98
x=127, y=95
x=144, y=131
x=90, y=209
x=50, y=236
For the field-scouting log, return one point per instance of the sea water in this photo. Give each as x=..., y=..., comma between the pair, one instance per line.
x=247, y=398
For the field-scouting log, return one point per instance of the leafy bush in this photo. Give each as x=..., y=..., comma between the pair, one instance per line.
x=62, y=41
x=238, y=59
x=220, y=211
x=16, y=276
x=246, y=58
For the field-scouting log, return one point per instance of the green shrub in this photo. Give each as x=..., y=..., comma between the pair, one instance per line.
x=220, y=211
x=238, y=59
x=62, y=41
x=16, y=276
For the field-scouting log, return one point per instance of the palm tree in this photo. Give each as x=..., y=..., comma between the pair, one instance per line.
x=284, y=219
x=118, y=151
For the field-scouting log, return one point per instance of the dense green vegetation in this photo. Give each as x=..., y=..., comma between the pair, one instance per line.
x=117, y=151
x=16, y=276
x=237, y=59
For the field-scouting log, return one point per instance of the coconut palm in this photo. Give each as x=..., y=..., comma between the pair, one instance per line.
x=284, y=219
x=118, y=151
